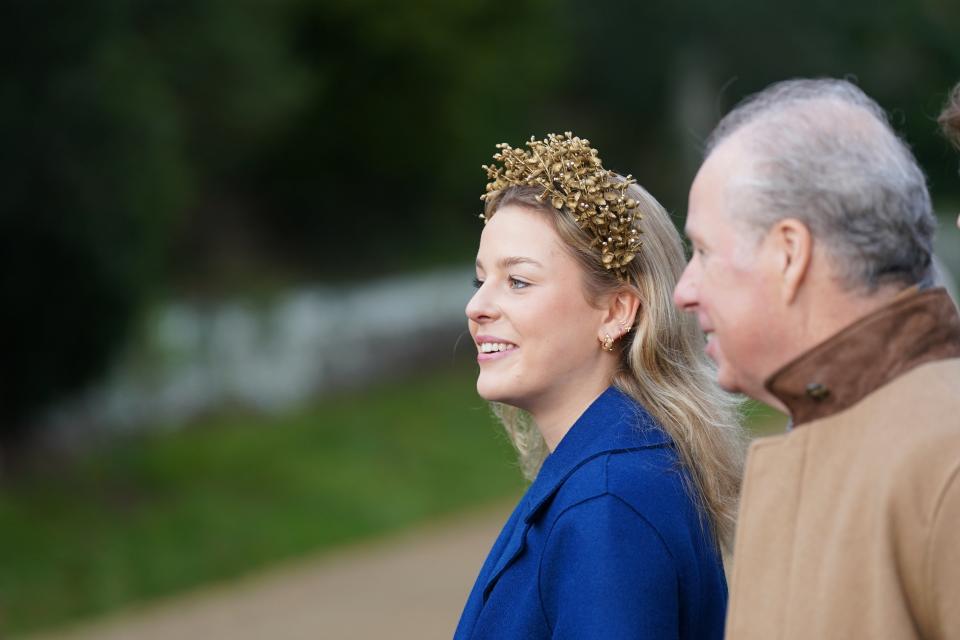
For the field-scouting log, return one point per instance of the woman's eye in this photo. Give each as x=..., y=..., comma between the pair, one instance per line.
x=477, y=283
x=517, y=284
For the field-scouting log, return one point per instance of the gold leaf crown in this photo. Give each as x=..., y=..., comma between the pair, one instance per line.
x=571, y=175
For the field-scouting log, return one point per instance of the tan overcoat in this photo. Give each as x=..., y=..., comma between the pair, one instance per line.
x=850, y=522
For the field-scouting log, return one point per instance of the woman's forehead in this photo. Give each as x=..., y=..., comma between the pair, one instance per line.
x=518, y=235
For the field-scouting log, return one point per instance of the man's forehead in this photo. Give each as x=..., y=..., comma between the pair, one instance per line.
x=708, y=188
x=714, y=215
x=731, y=151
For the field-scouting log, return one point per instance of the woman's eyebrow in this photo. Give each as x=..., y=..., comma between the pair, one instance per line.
x=515, y=260
x=511, y=261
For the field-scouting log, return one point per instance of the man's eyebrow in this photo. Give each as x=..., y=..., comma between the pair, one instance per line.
x=510, y=261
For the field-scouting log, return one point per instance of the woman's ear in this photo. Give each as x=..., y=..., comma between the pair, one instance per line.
x=622, y=309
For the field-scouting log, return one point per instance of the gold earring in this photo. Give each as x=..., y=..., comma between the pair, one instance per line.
x=607, y=343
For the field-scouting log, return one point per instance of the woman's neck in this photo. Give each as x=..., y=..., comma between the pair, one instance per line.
x=558, y=414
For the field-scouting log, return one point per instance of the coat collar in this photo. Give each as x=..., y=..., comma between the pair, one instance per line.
x=916, y=328
x=613, y=422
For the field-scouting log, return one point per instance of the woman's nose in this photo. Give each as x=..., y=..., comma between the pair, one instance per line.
x=481, y=308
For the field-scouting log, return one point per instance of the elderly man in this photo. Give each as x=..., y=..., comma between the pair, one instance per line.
x=812, y=233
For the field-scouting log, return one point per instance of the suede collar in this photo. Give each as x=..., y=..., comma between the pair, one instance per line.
x=916, y=328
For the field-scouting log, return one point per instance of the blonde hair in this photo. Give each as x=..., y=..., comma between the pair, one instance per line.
x=662, y=365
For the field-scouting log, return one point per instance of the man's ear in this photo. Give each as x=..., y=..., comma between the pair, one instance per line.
x=792, y=243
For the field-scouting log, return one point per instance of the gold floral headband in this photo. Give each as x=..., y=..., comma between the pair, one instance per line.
x=571, y=175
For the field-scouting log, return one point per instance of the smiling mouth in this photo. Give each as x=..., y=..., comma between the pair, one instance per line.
x=495, y=347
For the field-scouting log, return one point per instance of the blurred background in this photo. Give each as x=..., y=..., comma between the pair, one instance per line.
x=236, y=237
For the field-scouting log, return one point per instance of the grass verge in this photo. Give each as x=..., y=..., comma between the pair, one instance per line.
x=160, y=514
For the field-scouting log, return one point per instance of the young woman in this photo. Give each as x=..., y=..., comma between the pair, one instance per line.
x=604, y=389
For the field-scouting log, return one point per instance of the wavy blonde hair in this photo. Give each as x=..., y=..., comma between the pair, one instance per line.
x=662, y=361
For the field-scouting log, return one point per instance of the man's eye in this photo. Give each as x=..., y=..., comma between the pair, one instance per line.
x=477, y=283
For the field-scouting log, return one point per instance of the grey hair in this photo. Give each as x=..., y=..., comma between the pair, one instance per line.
x=822, y=151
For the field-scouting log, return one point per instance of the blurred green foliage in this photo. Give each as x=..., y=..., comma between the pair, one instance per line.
x=187, y=146
x=160, y=514
x=381, y=168
x=120, y=113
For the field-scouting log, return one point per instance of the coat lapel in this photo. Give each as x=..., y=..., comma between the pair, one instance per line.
x=614, y=422
x=514, y=546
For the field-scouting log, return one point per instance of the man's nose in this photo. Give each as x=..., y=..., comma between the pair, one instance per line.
x=685, y=293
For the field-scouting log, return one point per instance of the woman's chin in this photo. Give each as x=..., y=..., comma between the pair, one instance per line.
x=487, y=391
x=493, y=391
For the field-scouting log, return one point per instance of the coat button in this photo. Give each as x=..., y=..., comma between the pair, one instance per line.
x=817, y=391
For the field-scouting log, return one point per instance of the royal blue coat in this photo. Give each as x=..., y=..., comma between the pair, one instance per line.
x=606, y=543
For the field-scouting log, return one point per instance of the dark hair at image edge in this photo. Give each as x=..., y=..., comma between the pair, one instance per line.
x=950, y=118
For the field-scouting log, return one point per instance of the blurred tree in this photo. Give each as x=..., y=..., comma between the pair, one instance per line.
x=115, y=111
x=95, y=175
x=382, y=170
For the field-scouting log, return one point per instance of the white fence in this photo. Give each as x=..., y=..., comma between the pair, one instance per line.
x=269, y=356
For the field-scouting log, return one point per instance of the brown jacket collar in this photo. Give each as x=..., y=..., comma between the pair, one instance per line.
x=917, y=327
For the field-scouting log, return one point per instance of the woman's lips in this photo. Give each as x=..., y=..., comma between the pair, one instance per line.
x=493, y=348
x=495, y=355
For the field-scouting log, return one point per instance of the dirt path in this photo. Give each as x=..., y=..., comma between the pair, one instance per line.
x=413, y=586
